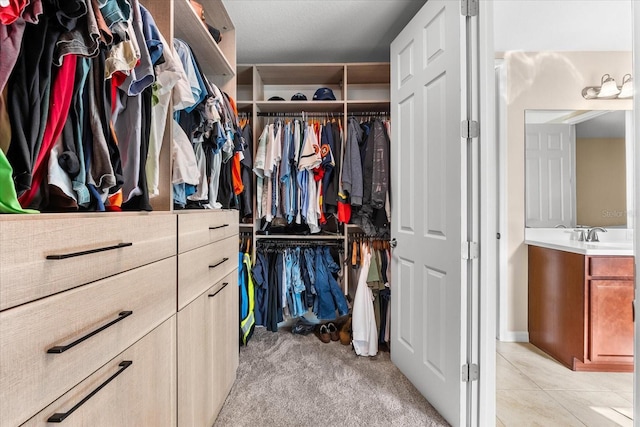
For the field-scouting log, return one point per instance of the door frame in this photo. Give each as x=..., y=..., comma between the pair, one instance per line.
x=485, y=413
x=636, y=110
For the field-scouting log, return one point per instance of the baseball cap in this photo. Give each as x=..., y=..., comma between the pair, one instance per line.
x=299, y=97
x=276, y=98
x=324, y=94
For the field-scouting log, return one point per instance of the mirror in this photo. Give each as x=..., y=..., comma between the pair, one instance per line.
x=576, y=168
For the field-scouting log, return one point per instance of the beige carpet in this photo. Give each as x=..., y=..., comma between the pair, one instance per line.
x=294, y=380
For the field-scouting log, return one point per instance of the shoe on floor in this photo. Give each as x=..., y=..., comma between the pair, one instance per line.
x=345, y=333
x=303, y=327
x=323, y=334
x=333, y=331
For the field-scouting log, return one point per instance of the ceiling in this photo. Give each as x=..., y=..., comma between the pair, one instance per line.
x=287, y=31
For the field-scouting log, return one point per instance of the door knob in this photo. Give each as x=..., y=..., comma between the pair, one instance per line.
x=394, y=243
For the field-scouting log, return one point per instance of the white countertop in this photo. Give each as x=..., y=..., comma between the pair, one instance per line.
x=614, y=242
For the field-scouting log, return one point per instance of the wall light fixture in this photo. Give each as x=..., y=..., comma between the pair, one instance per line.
x=609, y=90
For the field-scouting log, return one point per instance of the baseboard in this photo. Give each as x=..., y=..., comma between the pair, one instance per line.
x=515, y=336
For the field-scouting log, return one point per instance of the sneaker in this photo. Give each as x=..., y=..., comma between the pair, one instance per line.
x=303, y=327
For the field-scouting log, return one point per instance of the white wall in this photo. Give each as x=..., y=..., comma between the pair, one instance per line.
x=544, y=81
x=562, y=25
x=552, y=26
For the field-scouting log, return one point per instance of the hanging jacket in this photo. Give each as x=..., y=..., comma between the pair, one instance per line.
x=380, y=158
x=247, y=300
x=352, y=164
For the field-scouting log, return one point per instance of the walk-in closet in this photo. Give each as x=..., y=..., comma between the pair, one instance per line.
x=195, y=233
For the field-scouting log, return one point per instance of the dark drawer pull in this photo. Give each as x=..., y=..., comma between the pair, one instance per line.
x=59, y=417
x=90, y=251
x=218, y=263
x=218, y=226
x=62, y=348
x=224, y=285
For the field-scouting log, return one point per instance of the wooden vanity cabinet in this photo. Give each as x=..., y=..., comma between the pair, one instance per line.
x=580, y=309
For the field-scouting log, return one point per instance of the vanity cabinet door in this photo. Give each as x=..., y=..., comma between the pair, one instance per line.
x=611, y=313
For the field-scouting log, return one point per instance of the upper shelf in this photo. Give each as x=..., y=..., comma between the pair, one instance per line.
x=301, y=74
x=189, y=27
x=369, y=73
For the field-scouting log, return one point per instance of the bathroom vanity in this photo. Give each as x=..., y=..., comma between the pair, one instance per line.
x=580, y=302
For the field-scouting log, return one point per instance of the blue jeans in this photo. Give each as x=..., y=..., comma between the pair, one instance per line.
x=295, y=286
x=330, y=296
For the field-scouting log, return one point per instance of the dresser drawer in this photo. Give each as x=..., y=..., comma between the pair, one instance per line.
x=611, y=266
x=201, y=268
x=32, y=377
x=207, y=352
x=90, y=248
x=141, y=392
x=198, y=228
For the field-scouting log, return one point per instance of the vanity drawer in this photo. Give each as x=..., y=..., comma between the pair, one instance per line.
x=201, y=268
x=611, y=266
x=31, y=377
x=198, y=228
x=140, y=393
x=88, y=248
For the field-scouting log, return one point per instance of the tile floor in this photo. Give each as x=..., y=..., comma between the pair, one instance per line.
x=532, y=389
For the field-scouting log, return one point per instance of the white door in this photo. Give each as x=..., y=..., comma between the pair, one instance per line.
x=549, y=193
x=429, y=180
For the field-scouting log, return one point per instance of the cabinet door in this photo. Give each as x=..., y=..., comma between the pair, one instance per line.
x=611, y=321
x=140, y=394
x=208, y=331
x=226, y=333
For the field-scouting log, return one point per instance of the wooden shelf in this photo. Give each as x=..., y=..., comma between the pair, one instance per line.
x=189, y=28
x=369, y=73
x=216, y=15
x=363, y=106
x=301, y=74
x=245, y=74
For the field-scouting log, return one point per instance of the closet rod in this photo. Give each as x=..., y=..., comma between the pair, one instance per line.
x=363, y=236
x=325, y=114
x=373, y=113
x=311, y=114
x=283, y=244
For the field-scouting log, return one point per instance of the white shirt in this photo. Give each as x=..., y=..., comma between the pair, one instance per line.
x=364, y=328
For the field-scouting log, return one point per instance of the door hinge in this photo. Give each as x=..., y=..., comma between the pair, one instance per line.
x=469, y=129
x=470, y=250
x=470, y=372
x=469, y=7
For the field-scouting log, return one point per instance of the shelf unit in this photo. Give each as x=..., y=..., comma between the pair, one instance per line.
x=217, y=62
x=47, y=302
x=358, y=88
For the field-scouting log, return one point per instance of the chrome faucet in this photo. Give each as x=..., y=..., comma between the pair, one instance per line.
x=581, y=234
x=592, y=235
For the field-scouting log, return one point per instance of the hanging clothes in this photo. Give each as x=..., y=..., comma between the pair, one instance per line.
x=95, y=145
x=290, y=280
x=247, y=298
x=366, y=175
x=365, y=337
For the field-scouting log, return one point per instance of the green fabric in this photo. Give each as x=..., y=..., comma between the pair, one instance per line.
x=8, y=197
